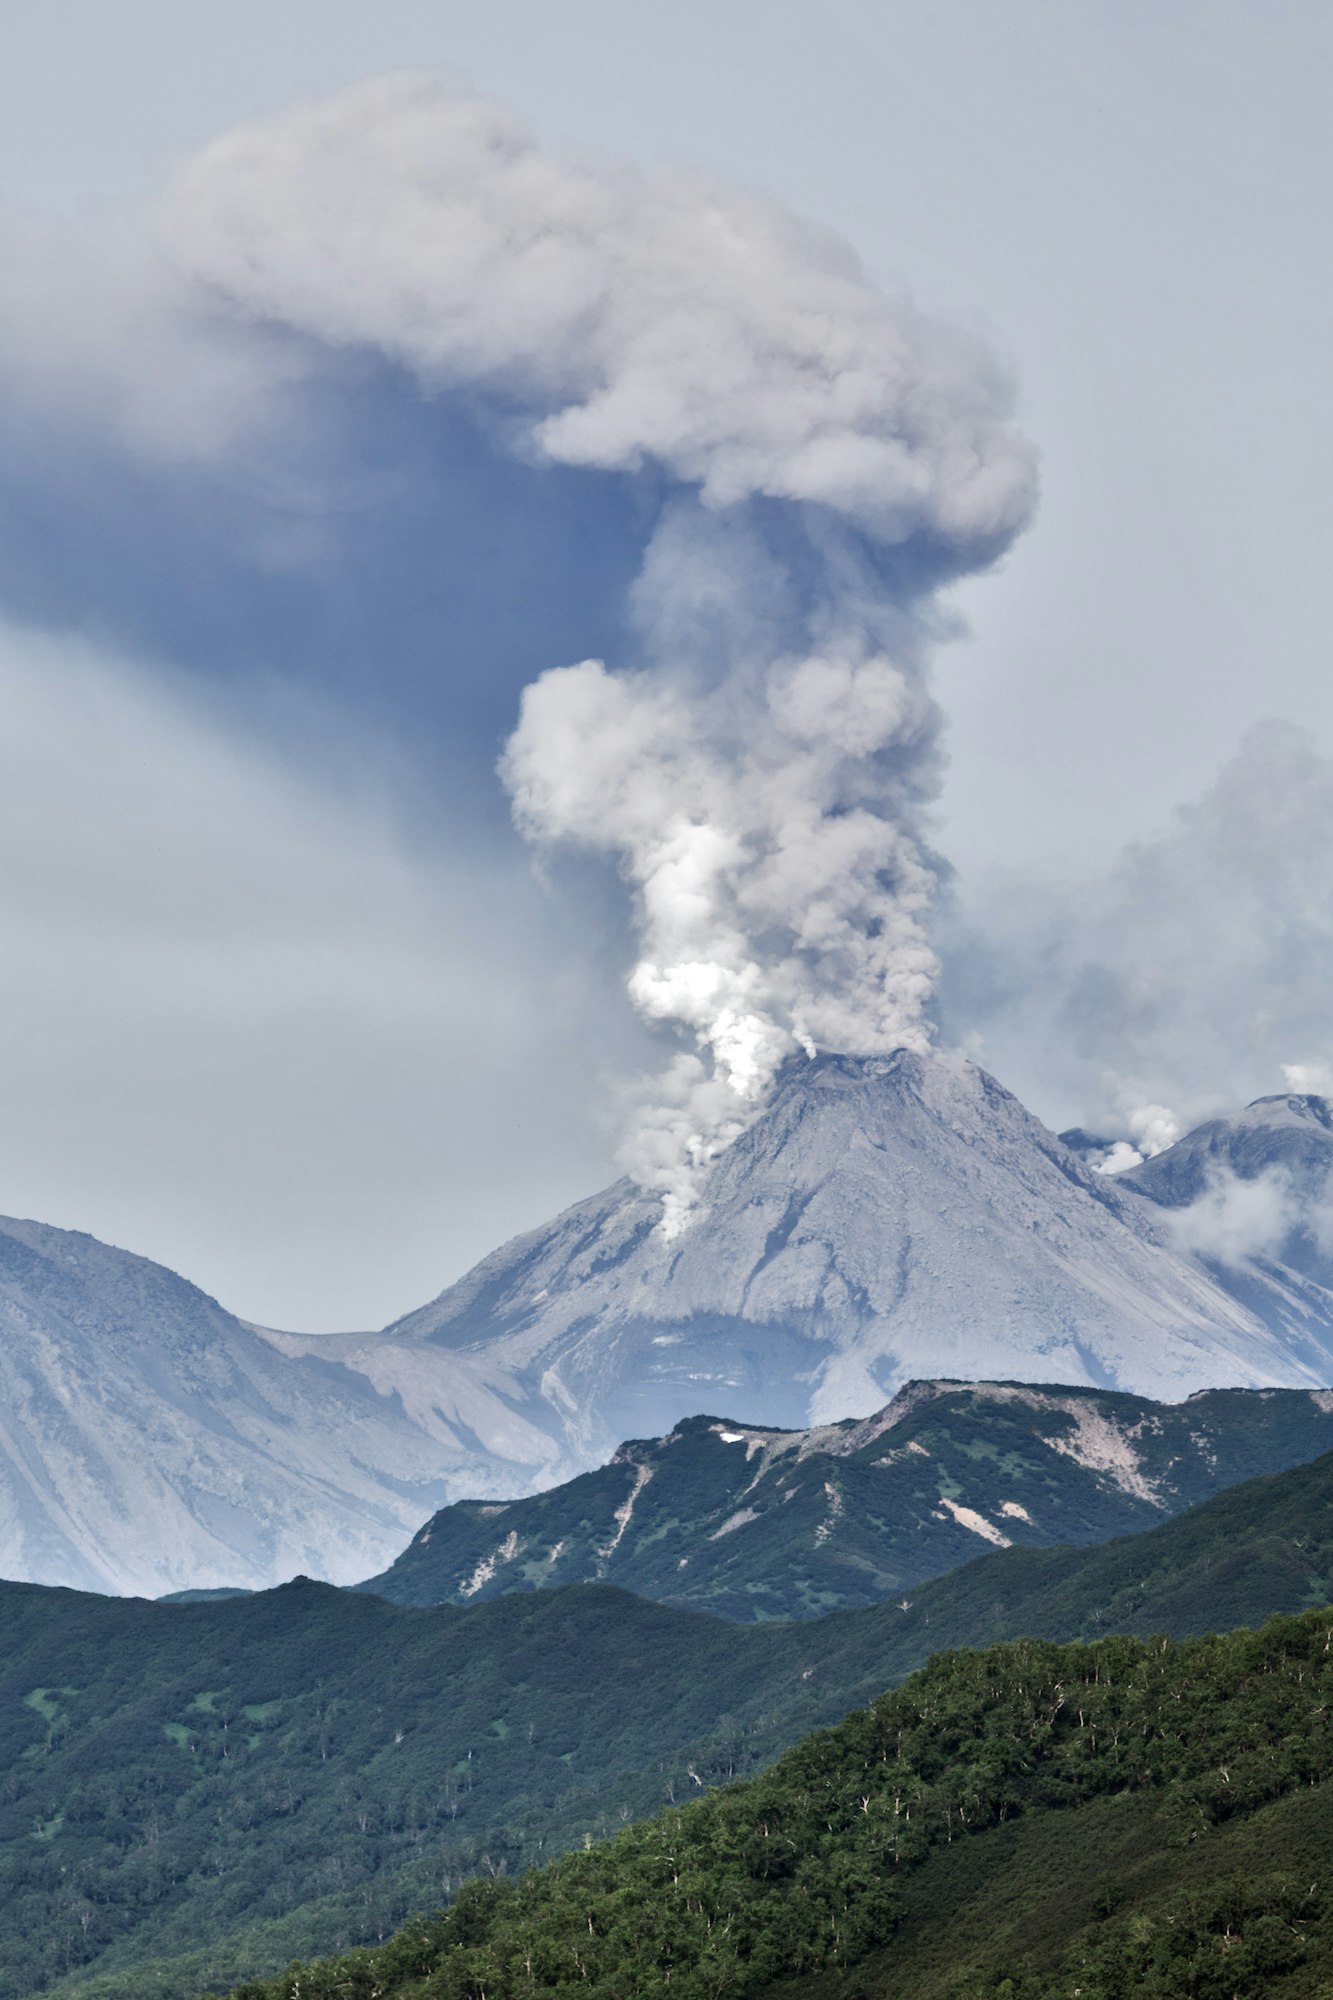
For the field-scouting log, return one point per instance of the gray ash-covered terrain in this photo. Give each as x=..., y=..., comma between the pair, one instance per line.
x=1280, y=1145
x=149, y=1440
x=750, y=1523
x=885, y=1219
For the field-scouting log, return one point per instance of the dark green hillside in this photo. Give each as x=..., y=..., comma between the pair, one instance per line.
x=1100, y=1904
x=1134, y=1816
x=194, y=1791
x=172, y=1773
x=750, y=1523
x=1260, y=1548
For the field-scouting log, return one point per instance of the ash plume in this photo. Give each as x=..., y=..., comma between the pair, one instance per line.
x=814, y=463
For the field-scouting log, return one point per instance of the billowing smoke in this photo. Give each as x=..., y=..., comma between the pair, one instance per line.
x=813, y=461
x=780, y=888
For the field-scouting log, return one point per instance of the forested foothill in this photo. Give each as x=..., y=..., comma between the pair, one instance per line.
x=1175, y=1795
x=196, y=1793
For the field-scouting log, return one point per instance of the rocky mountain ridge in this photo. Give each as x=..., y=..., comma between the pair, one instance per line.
x=751, y=1523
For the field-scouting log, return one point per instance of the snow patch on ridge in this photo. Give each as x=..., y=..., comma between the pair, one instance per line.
x=740, y=1519
x=833, y=1516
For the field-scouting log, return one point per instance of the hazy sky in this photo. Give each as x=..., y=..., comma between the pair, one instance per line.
x=283, y=1003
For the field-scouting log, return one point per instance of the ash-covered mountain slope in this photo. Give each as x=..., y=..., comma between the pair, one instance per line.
x=1282, y=1144
x=149, y=1440
x=1292, y=1133
x=750, y=1523
x=886, y=1218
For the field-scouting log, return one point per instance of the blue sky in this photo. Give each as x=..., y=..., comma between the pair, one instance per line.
x=285, y=1005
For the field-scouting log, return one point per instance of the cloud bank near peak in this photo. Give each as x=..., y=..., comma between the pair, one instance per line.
x=1194, y=975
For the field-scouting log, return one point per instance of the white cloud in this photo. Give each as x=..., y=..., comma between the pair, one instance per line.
x=1153, y=1127
x=1235, y=1220
x=782, y=898
x=766, y=822
x=1308, y=1079
x=104, y=328
x=765, y=807
x=828, y=457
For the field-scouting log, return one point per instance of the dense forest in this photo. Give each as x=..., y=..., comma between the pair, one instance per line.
x=227, y=1784
x=1199, y=1770
x=195, y=1793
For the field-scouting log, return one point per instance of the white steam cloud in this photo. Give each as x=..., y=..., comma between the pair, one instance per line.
x=623, y=318
x=1309, y=1079
x=820, y=460
x=1153, y=1127
x=781, y=898
x=1235, y=1220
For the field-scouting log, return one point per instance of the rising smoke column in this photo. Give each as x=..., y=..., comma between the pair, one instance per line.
x=821, y=460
